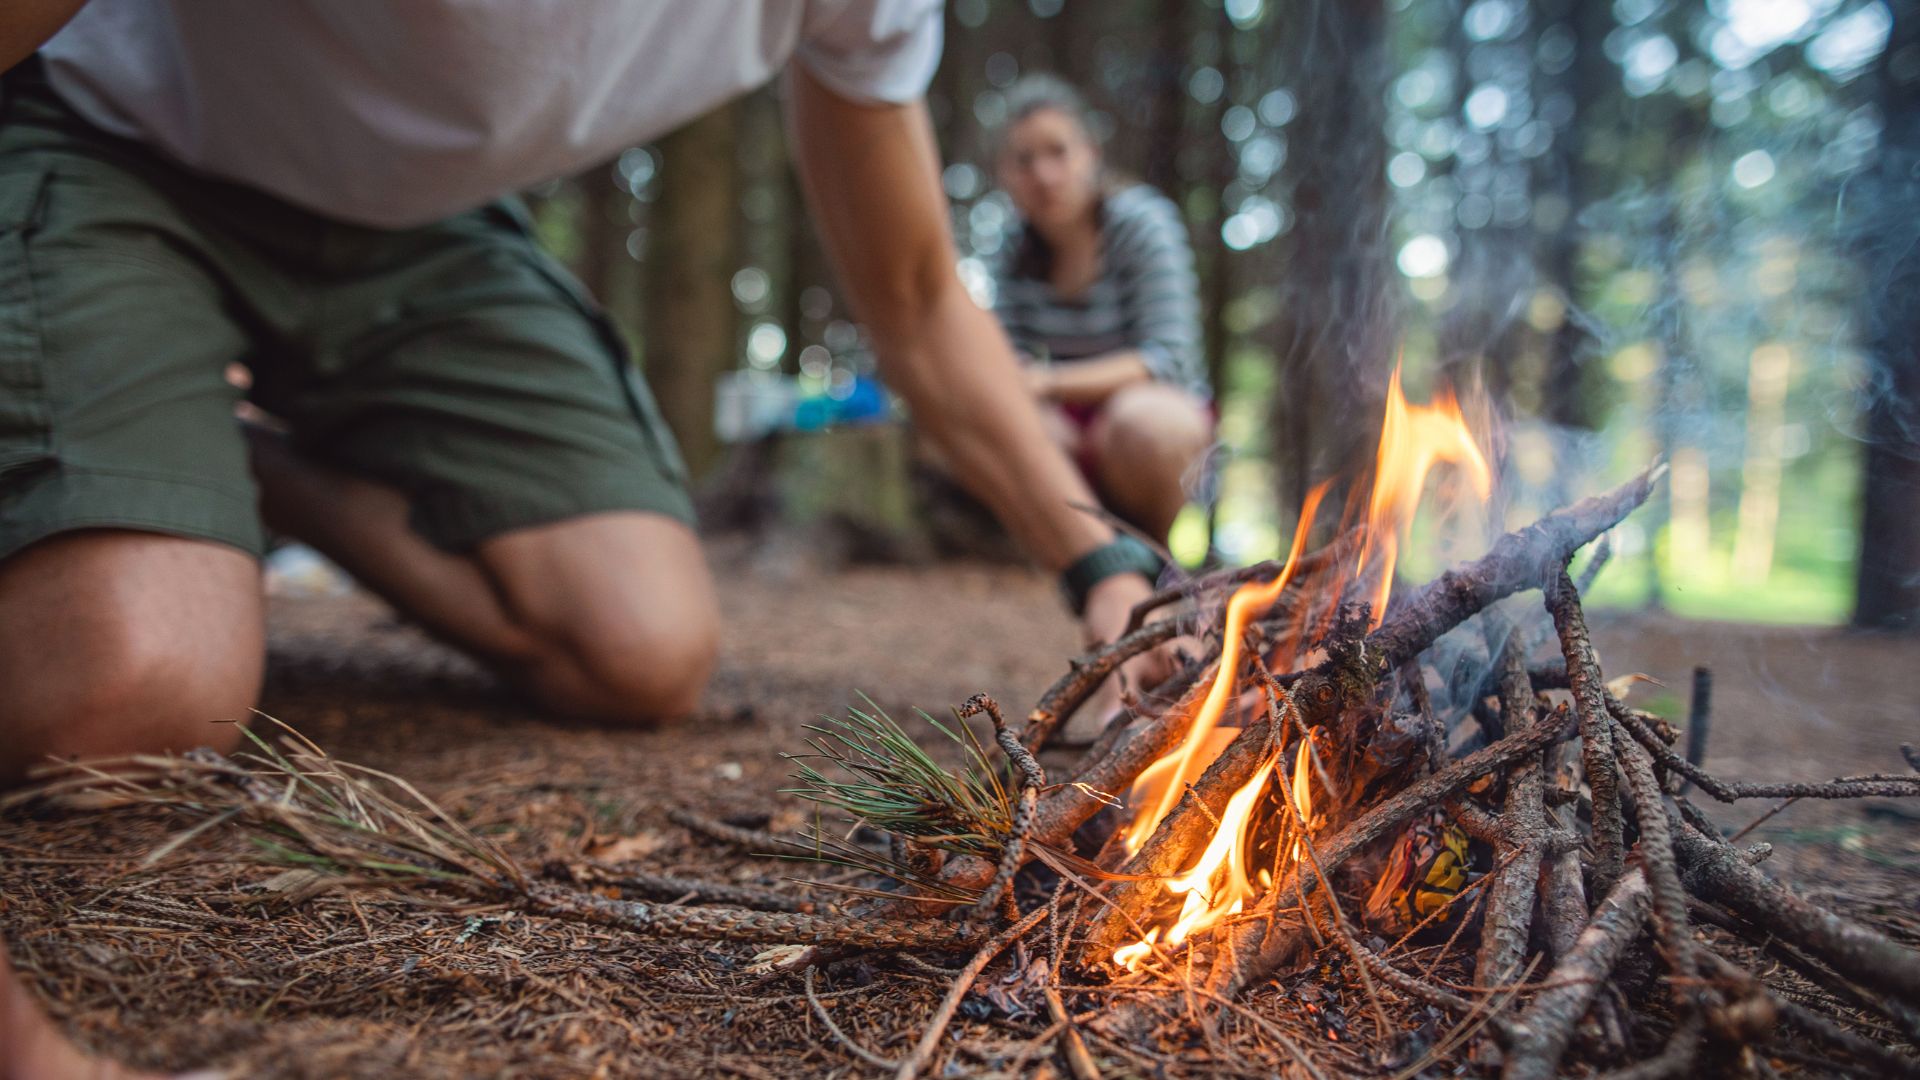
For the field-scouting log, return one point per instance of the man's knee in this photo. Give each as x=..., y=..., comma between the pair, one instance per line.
x=618, y=614
x=643, y=666
x=125, y=643
x=145, y=688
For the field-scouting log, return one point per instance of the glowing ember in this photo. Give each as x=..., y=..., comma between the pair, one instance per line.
x=1413, y=439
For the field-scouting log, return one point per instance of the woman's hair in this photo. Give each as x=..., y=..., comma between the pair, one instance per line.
x=1032, y=257
x=1038, y=92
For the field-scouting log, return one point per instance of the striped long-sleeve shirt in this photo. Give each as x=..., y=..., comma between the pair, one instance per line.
x=1146, y=297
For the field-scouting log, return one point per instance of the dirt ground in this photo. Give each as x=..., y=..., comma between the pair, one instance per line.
x=193, y=965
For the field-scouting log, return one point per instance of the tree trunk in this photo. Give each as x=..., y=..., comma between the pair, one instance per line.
x=1888, y=583
x=690, y=326
x=1337, y=335
x=604, y=264
x=1166, y=95
x=1569, y=389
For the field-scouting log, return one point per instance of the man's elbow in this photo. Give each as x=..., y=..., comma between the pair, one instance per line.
x=903, y=297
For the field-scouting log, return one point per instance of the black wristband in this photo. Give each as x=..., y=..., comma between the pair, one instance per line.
x=1121, y=555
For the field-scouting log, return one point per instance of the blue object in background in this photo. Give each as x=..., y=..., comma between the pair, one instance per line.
x=864, y=402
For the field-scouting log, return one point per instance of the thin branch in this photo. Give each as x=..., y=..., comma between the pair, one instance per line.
x=1032, y=779
x=1877, y=785
x=1596, y=747
x=846, y=1040
x=922, y=1052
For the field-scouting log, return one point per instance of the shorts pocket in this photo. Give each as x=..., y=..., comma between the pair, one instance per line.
x=26, y=419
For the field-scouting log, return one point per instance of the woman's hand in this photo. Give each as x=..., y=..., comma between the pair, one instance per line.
x=1091, y=381
x=1041, y=382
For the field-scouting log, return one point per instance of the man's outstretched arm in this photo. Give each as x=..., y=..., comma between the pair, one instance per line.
x=25, y=25
x=872, y=177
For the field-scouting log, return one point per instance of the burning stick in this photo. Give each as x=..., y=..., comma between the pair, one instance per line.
x=1519, y=560
x=1234, y=577
x=1201, y=839
x=1512, y=564
x=1424, y=794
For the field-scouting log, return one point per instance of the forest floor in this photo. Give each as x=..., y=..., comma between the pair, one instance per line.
x=207, y=961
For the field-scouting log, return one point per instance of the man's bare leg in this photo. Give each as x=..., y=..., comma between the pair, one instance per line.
x=31, y=1048
x=1144, y=440
x=118, y=642
x=608, y=617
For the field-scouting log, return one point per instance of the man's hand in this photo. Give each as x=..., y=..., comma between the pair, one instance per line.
x=1110, y=604
x=872, y=178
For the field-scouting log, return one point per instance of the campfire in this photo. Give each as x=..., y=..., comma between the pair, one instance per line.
x=1327, y=781
x=1258, y=820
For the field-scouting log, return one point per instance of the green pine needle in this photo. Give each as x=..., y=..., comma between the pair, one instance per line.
x=868, y=767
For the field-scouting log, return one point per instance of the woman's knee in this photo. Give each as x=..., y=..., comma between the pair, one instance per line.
x=1152, y=427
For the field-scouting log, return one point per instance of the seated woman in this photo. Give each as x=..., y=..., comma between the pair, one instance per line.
x=1096, y=289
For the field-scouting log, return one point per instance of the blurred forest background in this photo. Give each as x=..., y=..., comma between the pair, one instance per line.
x=1684, y=228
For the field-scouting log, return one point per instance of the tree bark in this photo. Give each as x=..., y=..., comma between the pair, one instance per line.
x=1336, y=339
x=1166, y=95
x=1888, y=580
x=1577, y=977
x=691, y=328
x=1714, y=871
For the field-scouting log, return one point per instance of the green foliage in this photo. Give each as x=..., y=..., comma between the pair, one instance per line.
x=876, y=774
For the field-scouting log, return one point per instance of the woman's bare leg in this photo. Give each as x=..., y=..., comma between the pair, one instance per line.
x=1146, y=441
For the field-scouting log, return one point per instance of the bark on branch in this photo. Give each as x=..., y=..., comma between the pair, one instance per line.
x=1519, y=560
x=1713, y=870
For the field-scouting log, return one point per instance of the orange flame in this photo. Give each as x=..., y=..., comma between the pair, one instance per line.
x=1207, y=902
x=1303, y=792
x=1247, y=601
x=1413, y=439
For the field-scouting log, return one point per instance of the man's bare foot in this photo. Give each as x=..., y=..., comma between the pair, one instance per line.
x=31, y=1048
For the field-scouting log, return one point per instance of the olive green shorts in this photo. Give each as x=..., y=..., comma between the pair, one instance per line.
x=456, y=362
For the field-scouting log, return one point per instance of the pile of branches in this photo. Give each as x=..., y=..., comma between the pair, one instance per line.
x=1605, y=920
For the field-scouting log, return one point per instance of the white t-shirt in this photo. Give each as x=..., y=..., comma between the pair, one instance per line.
x=396, y=113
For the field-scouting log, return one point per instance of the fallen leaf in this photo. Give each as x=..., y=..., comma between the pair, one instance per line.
x=627, y=848
x=1623, y=685
x=775, y=958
